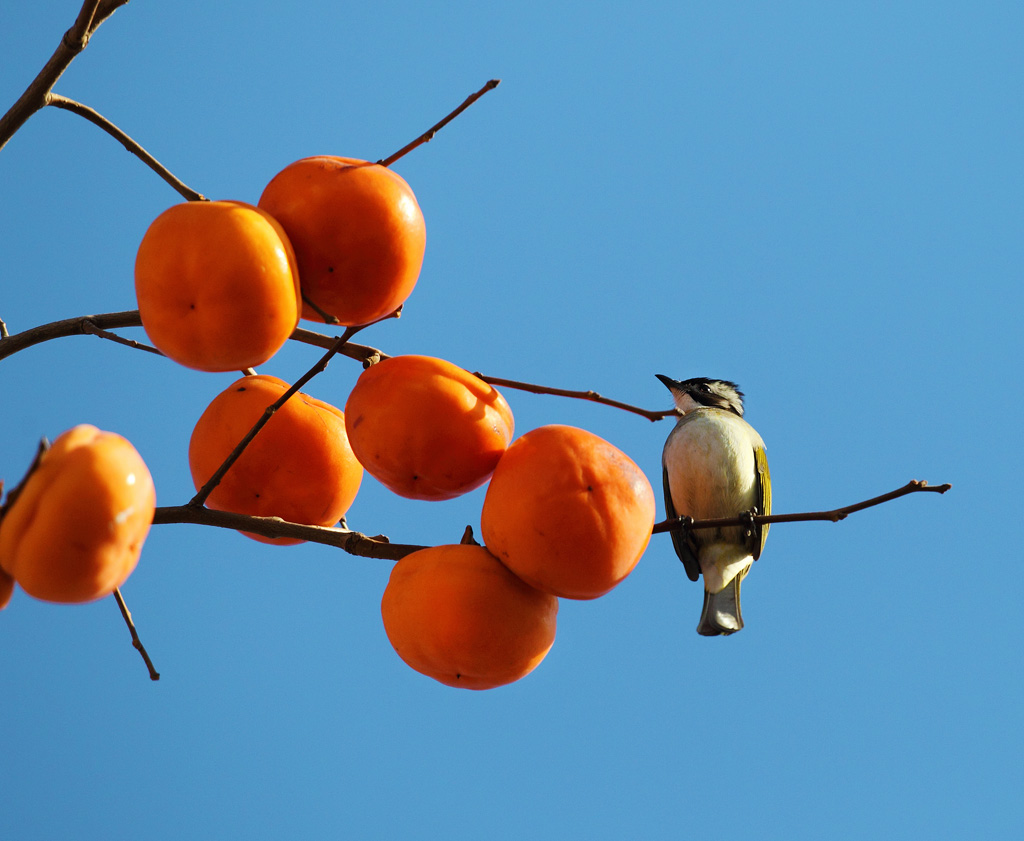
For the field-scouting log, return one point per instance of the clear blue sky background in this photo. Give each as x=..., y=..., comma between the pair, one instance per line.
x=819, y=200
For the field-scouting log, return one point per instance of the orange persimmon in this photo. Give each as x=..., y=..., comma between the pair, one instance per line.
x=299, y=467
x=456, y=614
x=358, y=235
x=76, y=528
x=425, y=428
x=568, y=512
x=217, y=285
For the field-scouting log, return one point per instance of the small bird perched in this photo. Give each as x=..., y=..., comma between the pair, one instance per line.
x=714, y=465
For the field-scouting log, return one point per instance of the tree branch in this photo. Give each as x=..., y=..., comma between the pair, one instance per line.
x=136, y=642
x=98, y=325
x=91, y=15
x=78, y=326
x=834, y=516
x=353, y=542
x=97, y=119
x=593, y=396
x=428, y=135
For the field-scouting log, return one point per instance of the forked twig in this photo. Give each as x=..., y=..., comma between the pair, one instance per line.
x=90, y=327
x=90, y=16
x=834, y=516
x=428, y=135
x=136, y=642
x=78, y=326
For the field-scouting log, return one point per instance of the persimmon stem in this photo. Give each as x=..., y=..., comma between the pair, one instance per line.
x=90, y=16
x=353, y=542
x=428, y=135
x=834, y=516
x=125, y=140
x=136, y=642
x=204, y=492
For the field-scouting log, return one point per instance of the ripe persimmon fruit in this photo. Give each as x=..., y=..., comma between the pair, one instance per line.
x=299, y=467
x=568, y=512
x=76, y=528
x=456, y=614
x=425, y=428
x=358, y=235
x=217, y=285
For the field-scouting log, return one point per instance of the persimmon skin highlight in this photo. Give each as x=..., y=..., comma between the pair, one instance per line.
x=358, y=234
x=299, y=467
x=75, y=532
x=456, y=614
x=217, y=285
x=425, y=428
x=568, y=512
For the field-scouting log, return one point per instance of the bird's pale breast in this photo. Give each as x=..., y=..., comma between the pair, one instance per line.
x=710, y=460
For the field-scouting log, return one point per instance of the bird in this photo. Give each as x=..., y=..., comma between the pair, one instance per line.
x=714, y=465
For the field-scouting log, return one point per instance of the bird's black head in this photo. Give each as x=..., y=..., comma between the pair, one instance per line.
x=702, y=391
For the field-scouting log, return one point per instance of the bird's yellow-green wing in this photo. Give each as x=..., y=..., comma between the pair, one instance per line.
x=764, y=497
x=681, y=540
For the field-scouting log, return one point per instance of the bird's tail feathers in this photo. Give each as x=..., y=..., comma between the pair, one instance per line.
x=721, y=614
x=724, y=567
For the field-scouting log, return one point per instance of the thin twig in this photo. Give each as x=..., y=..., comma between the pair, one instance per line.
x=91, y=15
x=90, y=328
x=326, y=316
x=353, y=542
x=428, y=135
x=125, y=140
x=593, y=396
x=204, y=492
x=136, y=642
x=834, y=516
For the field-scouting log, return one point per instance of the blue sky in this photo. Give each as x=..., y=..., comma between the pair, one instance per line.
x=821, y=201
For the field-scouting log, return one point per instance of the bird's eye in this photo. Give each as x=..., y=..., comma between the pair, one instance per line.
x=705, y=388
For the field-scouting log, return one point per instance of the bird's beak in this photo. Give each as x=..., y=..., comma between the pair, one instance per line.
x=669, y=383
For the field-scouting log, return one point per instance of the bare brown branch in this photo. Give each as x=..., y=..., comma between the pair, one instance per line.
x=125, y=140
x=428, y=135
x=90, y=328
x=136, y=642
x=353, y=542
x=91, y=15
x=834, y=516
x=593, y=396
x=78, y=326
